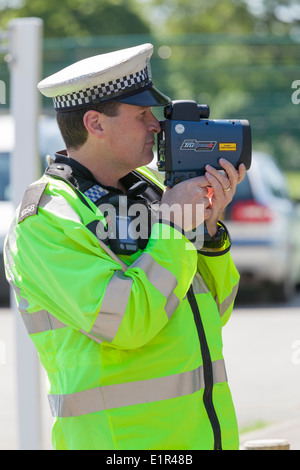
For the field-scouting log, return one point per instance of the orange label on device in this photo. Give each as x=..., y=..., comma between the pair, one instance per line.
x=227, y=146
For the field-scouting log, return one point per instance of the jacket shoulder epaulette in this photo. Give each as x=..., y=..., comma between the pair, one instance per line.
x=30, y=203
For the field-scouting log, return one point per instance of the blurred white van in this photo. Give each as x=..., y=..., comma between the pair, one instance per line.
x=264, y=224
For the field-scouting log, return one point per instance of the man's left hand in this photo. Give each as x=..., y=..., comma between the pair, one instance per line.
x=223, y=186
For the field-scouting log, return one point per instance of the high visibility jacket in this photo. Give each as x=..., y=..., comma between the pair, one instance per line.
x=134, y=359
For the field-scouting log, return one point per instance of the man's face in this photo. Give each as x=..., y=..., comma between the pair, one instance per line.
x=130, y=136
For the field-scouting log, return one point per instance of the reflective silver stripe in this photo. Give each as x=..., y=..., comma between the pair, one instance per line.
x=162, y=279
x=39, y=322
x=199, y=285
x=133, y=393
x=171, y=305
x=58, y=206
x=117, y=294
x=219, y=371
x=22, y=303
x=223, y=306
x=35, y=322
x=112, y=308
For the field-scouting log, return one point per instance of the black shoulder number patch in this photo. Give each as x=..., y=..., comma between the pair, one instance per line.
x=30, y=203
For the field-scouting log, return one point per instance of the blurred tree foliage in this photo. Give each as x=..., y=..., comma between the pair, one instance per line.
x=221, y=16
x=198, y=16
x=240, y=57
x=80, y=17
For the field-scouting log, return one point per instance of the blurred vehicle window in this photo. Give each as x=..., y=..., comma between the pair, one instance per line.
x=243, y=190
x=264, y=224
x=274, y=179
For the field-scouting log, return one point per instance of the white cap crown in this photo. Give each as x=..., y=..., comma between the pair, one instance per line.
x=116, y=75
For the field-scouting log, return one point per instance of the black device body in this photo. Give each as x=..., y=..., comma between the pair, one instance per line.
x=189, y=140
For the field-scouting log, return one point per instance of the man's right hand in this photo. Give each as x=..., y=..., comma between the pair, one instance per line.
x=179, y=204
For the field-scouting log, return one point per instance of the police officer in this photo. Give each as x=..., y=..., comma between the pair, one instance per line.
x=129, y=331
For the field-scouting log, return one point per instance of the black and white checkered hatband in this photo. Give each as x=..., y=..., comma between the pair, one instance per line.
x=97, y=94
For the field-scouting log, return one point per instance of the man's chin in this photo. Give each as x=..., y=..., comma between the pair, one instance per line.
x=150, y=159
x=146, y=159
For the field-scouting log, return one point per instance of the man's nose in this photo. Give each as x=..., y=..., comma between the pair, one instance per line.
x=155, y=124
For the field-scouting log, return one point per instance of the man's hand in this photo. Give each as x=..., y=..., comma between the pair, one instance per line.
x=223, y=186
x=179, y=204
x=212, y=192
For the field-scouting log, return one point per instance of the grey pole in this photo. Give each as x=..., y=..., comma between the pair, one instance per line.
x=25, y=58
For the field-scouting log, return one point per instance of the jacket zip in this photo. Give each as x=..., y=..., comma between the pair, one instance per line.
x=208, y=371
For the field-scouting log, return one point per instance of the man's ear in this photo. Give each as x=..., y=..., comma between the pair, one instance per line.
x=92, y=121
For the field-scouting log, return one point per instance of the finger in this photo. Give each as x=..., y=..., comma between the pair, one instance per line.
x=217, y=185
x=231, y=171
x=200, y=184
x=222, y=178
x=241, y=172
